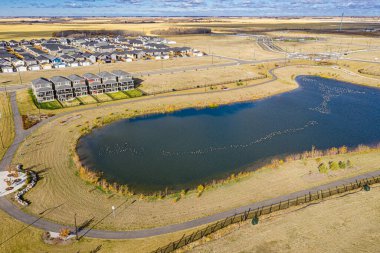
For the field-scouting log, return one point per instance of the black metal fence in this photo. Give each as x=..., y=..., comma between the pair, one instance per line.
x=250, y=214
x=207, y=85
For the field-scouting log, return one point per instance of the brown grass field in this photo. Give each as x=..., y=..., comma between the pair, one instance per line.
x=6, y=124
x=341, y=224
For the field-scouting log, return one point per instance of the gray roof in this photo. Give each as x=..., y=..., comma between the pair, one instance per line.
x=90, y=76
x=41, y=81
x=106, y=74
x=75, y=78
x=120, y=73
x=59, y=79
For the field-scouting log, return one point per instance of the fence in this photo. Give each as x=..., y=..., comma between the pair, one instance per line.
x=207, y=85
x=250, y=214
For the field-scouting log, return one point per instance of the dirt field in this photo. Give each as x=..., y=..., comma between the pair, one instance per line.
x=6, y=124
x=341, y=224
x=54, y=158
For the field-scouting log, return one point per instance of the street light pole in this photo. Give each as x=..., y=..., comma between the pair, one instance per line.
x=1, y=138
x=76, y=227
x=19, y=74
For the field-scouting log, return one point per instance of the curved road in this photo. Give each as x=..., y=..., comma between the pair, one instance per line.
x=39, y=222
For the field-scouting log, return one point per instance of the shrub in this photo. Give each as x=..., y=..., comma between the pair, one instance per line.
x=333, y=165
x=349, y=164
x=323, y=168
x=64, y=232
x=342, y=164
x=200, y=189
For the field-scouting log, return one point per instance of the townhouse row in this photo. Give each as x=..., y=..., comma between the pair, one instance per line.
x=67, y=88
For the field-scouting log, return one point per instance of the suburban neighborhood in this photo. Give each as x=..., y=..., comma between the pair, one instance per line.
x=38, y=54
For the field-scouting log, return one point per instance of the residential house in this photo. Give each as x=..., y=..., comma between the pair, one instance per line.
x=110, y=81
x=124, y=79
x=94, y=83
x=79, y=85
x=62, y=87
x=42, y=59
x=106, y=49
x=43, y=90
x=6, y=69
x=17, y=62
x=34, y=67
x=20, y=69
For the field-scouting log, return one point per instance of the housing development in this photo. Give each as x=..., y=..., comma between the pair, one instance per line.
x=67, y=88
x=37, y=54
x=200, y=126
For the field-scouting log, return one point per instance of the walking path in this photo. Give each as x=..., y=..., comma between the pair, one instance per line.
x=39, y=222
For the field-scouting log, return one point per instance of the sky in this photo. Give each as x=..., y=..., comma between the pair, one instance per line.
x=189, y=7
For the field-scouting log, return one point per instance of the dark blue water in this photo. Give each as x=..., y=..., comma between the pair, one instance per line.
x=192, y=146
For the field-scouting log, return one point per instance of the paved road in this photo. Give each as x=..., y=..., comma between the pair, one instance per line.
x=39, y=222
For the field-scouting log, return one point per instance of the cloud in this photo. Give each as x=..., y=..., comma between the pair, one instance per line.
x=199, y=7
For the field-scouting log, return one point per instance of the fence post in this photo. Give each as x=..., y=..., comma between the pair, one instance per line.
x=176, y=247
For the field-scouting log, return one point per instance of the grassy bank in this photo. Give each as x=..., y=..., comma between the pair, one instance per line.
x=6, y=124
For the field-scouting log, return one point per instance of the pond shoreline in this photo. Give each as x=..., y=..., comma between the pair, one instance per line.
x=219, y=180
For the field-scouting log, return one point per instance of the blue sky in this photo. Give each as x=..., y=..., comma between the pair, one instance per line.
x=189, y=7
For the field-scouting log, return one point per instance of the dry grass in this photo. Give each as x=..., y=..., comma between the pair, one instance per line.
x=61, y=185
x=348, y=224
x=194, y=78
x=325, y=43
x=6, y=124
x=225, y=45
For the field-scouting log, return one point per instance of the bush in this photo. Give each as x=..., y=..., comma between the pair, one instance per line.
x=349, y=164
x=333, y=165
x=342, y=164
x=200, y=189
x=323, y=168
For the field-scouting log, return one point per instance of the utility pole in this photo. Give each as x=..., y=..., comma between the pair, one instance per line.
x=76, y=227
x=1, y=138
x=341, y=22
x=19, y=75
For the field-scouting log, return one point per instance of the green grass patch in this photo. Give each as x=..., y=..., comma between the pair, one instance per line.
x=118, y=95
x=52, y=105
x=133, y=93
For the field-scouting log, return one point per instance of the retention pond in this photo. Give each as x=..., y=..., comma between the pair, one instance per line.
x=193, y=146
